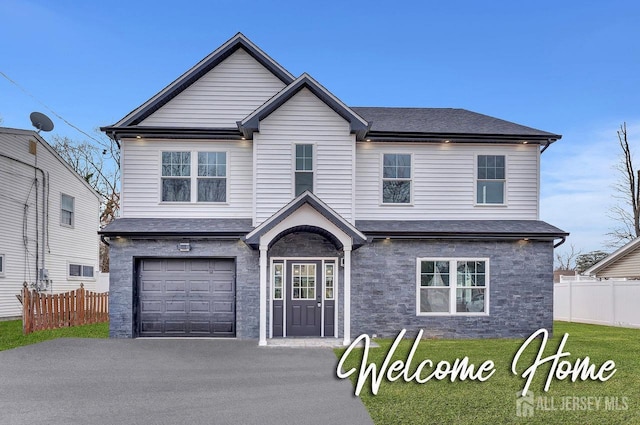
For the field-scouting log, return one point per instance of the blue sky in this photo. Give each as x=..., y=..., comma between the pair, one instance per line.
x=566, y=67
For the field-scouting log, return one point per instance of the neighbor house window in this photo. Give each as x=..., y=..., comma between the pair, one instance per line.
x=212, y=177
x=490, y=179
x=80, y=270
x=67, y=210
x=2, y=266
x=452, y=286
x=304, y=169
x=176, y=172
x=396, y=178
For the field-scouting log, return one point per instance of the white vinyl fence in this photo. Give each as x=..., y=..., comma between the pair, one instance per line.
x=600, y=302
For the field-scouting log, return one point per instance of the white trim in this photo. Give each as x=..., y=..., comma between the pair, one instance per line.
x=347, y=297
x=315, y=275
x=382, y=180
x=453, y=280
x=3, y=265
x=254, y=152
x=505, y=201
x=263, y=296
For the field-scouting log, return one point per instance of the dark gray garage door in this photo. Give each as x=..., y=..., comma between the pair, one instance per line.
x=183, y=297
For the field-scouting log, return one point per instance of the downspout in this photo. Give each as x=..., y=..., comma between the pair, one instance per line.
x=546, y=145
x=104, y=240
x=563, y=239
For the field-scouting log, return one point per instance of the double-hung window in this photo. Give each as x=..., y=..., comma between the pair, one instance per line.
x=490, y=187
x=396, y=178
x=182, y=177
x=176, y=176
x=458, y=286
x=67, y=210
x=303, y=169
x=212, y=177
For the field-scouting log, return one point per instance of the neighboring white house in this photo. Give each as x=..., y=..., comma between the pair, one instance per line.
x=49, y=221
x=622, y=264
x=257, y=204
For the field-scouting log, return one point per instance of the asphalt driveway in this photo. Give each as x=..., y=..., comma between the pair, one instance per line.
x=94, y=381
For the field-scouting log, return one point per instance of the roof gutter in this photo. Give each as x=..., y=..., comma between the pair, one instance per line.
x=563, y=239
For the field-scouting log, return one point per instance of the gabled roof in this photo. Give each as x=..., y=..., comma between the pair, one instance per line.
x=445, y=123
x=251, y=123
x=612, y=258
x=306, y=198
x=30, y=134
x=238, y=41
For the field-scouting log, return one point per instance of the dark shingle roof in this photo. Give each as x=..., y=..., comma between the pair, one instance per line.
x=443, y=121
x=462, y=228
x=177, y=227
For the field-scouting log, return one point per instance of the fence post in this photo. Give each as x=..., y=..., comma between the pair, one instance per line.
x=570, y=301
x=80, y=304
x=26, y=302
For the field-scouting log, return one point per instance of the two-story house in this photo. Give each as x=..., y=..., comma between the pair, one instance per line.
x=49, y=218
x=258, y=205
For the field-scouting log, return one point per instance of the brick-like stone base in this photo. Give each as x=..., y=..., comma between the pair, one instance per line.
x=383, y=283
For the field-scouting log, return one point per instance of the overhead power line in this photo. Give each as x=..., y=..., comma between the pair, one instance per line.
x=102, y=142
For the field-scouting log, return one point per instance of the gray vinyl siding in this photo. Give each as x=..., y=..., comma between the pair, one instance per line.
x=625, y=267
x=78, y=244
x=304, y=119
x=444, y=182
x=141, y=169
x=226, y=94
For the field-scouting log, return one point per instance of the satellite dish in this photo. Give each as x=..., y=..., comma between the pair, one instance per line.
x=41, y=121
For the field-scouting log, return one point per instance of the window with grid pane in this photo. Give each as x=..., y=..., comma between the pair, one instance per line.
x=304, y=282
x=304, y=169
x=176, y=176
x=396, y=178
x=490, y=179
x=212, y=177
x=67, y=208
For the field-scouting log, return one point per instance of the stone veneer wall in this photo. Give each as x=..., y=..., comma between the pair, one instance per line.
x=383, y=289
x=123, y=253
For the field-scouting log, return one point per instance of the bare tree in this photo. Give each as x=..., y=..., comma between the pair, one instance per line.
x=99, y=164
x=566, y=260
x=626, y=214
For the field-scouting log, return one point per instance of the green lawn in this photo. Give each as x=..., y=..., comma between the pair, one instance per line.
x=11, y=334
x=494, y=401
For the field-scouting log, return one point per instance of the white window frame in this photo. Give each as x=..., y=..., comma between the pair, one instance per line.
x=294, y=169
x=383, y=179
x=82, y=266
x=315, y=285
x=453, y=286
x=193, y=177
x=282, y=281
x=477, y=180
x=3, y=265
x=73, y=212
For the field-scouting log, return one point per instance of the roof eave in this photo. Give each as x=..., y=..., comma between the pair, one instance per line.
x=116, y=132
x=396, y=136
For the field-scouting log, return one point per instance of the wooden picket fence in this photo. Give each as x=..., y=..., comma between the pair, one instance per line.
x=42, y=311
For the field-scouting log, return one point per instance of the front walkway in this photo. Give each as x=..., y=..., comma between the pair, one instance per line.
x=310, y=343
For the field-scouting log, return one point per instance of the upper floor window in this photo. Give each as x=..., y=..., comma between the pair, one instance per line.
x=396, y=178
x=67, y=208
x=178, y=183
x=212, y=176
x=490, y=179
x=304, y=169
x=176, y=180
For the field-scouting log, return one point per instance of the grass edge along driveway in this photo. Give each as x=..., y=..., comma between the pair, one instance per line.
x=616, y=401
x=11, y=333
